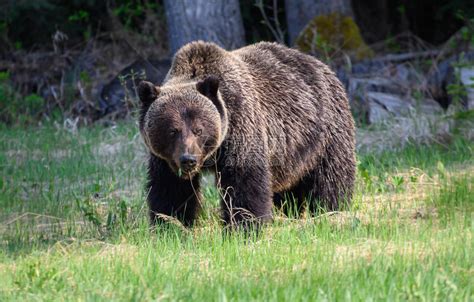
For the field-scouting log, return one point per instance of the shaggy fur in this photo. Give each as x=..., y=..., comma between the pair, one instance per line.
x=269, y=120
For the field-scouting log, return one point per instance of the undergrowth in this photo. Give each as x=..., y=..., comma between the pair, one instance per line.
x=73, y=226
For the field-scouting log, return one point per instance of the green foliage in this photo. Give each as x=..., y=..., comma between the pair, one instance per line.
x=33, y=104
x=467, y=32
x=398, y=181
x=3, y=27
x=86, y=235
x=393, y=45
x=462, y=8
x=36, y=274
x=401, y=9
x=78, y=19
x=131, y=13
x=15, y=109
x=8, y=98
x=4, y=76
x=80, y=16
x=465, y=115
x=85, y=78
x=22, y=18
x=456, y=90
x=456, y=194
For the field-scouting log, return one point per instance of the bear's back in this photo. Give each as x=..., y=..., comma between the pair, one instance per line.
x=271, y=59
x=302, y=103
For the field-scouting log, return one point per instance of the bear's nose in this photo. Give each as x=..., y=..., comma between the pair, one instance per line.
x=187, y=161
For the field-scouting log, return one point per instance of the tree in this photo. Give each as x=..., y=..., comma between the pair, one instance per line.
x=217, y=21
x=300, y=12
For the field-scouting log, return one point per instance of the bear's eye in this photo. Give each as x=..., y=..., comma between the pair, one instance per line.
x=197, y=132
x=173, y=132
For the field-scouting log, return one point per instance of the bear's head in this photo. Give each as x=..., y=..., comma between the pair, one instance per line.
x=183, y=124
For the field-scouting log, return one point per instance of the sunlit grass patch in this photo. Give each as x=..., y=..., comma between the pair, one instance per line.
x=74, y=226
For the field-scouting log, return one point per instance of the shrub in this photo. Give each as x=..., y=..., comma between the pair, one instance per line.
x=17, y=110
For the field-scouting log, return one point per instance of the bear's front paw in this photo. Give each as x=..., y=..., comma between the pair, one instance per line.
x=245, y=220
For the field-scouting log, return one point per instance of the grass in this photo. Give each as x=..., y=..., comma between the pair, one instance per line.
x=73, y=227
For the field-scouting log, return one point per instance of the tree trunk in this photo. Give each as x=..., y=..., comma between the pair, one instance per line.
x=300, y=12
x=217, y=21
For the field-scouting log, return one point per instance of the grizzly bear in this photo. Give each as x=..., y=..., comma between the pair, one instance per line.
x=270, y=121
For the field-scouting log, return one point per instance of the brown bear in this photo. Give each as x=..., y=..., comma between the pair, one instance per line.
x=270, y=121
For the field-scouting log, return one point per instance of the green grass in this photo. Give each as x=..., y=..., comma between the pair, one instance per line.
x=73, y=226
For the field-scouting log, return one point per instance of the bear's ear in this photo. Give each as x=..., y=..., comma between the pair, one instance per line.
x=208, y=87
x=147, y=92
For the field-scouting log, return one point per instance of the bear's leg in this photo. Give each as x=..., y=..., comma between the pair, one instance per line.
x=171, y=195
x=330, y=185
x=290, y=202
x=246, y=195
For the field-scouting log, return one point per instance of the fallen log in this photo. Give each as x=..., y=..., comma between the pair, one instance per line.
x=407, y=56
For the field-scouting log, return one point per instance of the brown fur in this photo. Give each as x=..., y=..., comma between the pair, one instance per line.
x=277, y=123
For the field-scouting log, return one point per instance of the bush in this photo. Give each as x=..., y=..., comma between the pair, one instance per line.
x=15, y=109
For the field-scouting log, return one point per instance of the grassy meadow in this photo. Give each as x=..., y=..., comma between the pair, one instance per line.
x=73, y=226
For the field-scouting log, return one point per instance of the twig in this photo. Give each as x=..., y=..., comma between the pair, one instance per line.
x=173, y=220
x=276, y=31
x=277, y=23
x=30, y=214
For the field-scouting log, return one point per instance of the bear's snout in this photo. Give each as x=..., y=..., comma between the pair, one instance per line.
x=187, y=162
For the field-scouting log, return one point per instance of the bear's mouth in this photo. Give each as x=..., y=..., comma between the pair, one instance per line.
x=184, y=173
x=187, y=175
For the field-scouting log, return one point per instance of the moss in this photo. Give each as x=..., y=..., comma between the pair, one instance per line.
x=331, y=35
